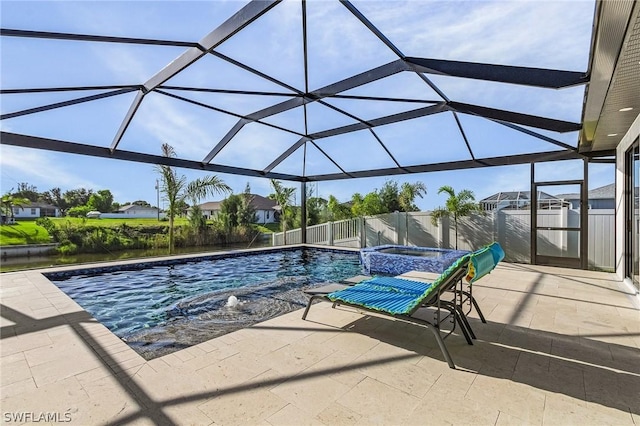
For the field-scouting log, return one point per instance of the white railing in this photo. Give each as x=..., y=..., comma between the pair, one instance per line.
x=319, y=234
x=511, y=228
x=344, y=233
x=292, y=237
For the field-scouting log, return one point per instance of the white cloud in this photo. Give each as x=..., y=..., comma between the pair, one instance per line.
x=255, y=146
x=340, y=45
x=528, y=33
x=39, y=168
x=164, y=120
x=123, y=63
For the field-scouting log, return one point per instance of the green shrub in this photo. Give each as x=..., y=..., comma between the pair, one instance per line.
x=78, y=211
x=159, y=241
x=67, y=247
x=82, y=236
x=46, y=223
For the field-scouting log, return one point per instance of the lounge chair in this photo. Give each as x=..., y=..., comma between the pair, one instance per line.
x=401, y=298
x=482, y=262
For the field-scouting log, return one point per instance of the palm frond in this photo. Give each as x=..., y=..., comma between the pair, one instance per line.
x=438, y=214
x=449, y=190
x=202, y=187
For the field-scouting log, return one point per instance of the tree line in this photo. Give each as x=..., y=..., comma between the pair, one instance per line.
x=74, y=202
x=236, y=211
x=388, y=199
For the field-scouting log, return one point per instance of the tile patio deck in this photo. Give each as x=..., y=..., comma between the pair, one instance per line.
x=560, y=347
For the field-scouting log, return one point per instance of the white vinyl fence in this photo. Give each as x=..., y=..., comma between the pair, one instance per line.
x=511, y=228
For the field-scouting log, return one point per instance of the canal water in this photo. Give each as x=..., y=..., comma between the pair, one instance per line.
x=11, y=264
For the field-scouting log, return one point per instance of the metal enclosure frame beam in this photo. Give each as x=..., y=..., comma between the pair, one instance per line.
x=524, y=76
x=27, y=141
x=508, y=160
x=537, y=77
x=227, y=29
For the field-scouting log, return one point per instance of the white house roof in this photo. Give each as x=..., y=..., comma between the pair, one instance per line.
x=210, y=205
x=601, y=193
x=38, y=205
x=258, y=202
x=516, y=196
x=136, y=207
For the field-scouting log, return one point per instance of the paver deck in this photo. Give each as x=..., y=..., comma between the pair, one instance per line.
x=561, y=346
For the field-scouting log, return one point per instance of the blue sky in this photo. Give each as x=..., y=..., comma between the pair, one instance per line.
x=535, y=34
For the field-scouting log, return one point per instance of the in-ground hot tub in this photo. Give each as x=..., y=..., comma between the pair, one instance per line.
x=396, y=260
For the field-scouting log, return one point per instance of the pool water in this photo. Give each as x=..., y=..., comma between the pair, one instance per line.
x=164, y=308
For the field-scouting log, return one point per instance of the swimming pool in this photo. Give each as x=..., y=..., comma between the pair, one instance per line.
x=161, y=307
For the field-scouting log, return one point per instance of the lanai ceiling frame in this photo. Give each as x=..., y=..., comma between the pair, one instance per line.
x=422, y=67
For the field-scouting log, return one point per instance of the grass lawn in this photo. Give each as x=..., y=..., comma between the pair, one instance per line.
x=115, y=222
x=269, y=227
x=23, y=233
x=27, y=232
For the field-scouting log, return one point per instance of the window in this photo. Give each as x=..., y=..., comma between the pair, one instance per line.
x=33, y=212
x=267, y=215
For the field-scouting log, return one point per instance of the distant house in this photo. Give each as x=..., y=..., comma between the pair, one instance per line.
x=598, y=198
x=210, y=208
x=133, y=211
x=35, y=210
x=603, y=197
x=265, y=208
x=518, y=200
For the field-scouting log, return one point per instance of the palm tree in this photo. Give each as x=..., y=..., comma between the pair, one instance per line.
x=176, y=189
x=408, y=194
x=283, y=197
x=9, y=201
x=460, y=205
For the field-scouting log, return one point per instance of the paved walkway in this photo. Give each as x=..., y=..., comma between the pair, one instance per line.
x=560, y=347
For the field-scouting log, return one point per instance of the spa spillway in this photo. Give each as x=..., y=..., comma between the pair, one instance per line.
x=396, y=260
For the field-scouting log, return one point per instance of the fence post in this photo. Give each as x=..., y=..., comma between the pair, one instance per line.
x=494, y=229
x=330, y=233
x=564, y=221
x=406, y=229
x=443, y=236
x=363, y=231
